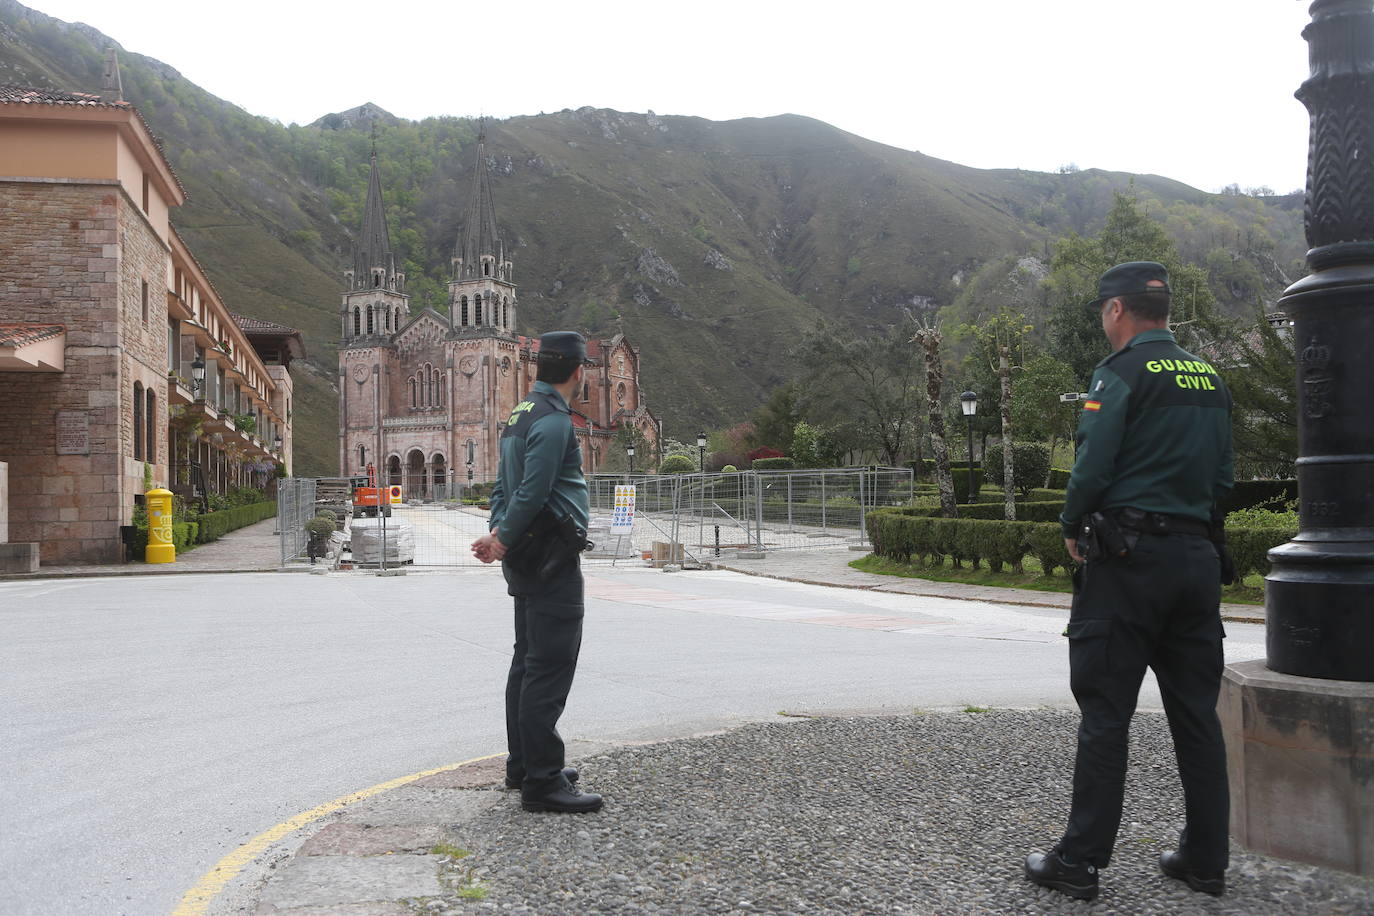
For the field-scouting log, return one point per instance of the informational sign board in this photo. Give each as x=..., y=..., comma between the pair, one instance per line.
x=623, y=518
x=73, y=432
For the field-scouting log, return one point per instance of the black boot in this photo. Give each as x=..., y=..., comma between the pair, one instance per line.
x=1049, y=869
x=562, y=797
x=1175, y=865
x=569, y=773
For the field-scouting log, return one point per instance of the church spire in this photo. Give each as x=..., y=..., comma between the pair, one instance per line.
x=374, y=265
x=479, y=251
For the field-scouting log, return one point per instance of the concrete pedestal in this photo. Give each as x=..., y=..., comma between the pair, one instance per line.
x=1300, y=756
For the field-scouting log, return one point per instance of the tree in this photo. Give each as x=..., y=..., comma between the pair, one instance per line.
x=774, y=422
x=929, y=338
x=871, y=382
x=806, y=445
x=1262, y=380
x=1036, y=390
x=1130, y=235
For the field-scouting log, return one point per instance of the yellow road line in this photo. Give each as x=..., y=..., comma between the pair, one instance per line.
x=198, y=898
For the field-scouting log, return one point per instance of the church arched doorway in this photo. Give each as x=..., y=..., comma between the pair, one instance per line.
x=393, y=471
x=439, y=475
x=416, y=485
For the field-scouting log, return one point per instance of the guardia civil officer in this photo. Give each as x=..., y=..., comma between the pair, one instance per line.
x=1153, y=462
x=540, y=493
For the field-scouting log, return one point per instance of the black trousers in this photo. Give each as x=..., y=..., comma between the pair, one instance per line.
x=548, y=637
x=1159, y=607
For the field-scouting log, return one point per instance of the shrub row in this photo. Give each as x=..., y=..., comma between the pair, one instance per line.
x=215, y=524
x=773, y=464
x=906, y=535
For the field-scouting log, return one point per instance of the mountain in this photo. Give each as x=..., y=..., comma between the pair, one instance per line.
x=713, y=245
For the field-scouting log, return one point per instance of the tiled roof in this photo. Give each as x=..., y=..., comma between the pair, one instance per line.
x=258, y=326
x=28, y=95
x=19, y=335
x=56, y=97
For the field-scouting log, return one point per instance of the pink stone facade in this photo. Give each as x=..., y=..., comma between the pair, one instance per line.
x=418, y=406
x=78, y=253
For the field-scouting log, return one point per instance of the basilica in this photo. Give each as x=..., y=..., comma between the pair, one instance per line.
x=424, y=397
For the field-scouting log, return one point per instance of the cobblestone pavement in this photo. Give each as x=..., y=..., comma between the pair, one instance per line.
x=930, y=813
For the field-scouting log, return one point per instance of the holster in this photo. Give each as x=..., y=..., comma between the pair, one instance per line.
x=1216, y=533
x=546, y=546
x=1103, y=537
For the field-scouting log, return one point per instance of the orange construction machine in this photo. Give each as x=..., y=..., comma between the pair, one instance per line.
x=370, y=500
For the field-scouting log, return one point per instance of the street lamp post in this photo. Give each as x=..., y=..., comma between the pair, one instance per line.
x=701, y=452
x=968, y=402
x=630, y=453
x=198, y=376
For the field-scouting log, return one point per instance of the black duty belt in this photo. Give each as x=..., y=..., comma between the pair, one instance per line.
x=1158, y=522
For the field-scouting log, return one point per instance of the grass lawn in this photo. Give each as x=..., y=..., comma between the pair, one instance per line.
x=1251, y=591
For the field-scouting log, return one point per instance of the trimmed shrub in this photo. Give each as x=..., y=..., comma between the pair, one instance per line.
x=677, y=464
x=1059, y=478
x=773, y=464
x=960, y=475
x=910, y=535
x=1030, y=462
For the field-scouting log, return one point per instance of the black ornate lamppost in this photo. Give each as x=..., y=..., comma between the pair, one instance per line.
x=701, y=452
x=1297, y=722
x=630, y=453
x=1320, y=592
x=968, y=402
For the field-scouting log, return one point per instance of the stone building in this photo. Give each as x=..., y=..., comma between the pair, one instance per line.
x=105, y=320
x=424, y=397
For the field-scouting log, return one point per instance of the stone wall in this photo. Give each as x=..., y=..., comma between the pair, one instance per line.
x=74, y=253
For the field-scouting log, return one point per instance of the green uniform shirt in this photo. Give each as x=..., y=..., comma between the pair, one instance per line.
x=1155, y=434
x=541, y=464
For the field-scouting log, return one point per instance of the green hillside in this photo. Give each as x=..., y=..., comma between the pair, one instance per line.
x=713, y=245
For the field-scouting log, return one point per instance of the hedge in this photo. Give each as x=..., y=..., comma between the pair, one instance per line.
x=1030, y=511
x=773, y=464
x=908, y=535
x=215, y=524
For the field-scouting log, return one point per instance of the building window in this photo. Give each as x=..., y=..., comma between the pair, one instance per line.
x=439, y=387
x=150, y=423
x=145, y=301
x=414, y=394
x=464, y=303
x=145, y=192
x=369, y=319
x=357, y=321
x=477, y=310
x=138, y=420
x=505, y=313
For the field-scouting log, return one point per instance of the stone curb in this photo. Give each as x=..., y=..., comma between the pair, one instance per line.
x=1233, y=613
x=383, y=856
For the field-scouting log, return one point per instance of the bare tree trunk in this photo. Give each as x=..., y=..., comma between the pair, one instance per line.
x=1049, y=467
x=1008, y=465
x=929, y=339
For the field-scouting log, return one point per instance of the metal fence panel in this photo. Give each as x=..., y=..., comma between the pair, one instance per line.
x=295, y=507
x=707, y=514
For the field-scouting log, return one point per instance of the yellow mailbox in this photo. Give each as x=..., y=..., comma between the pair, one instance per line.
x=160, y=548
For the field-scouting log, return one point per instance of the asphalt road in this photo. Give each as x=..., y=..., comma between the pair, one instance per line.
x=151, y=725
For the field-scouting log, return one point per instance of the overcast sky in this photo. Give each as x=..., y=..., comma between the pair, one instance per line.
x=1197, y=90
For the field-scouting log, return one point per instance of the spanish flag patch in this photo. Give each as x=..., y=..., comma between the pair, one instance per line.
x=1092, y=405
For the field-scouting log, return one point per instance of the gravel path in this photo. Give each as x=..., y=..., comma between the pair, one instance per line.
x=931, y=814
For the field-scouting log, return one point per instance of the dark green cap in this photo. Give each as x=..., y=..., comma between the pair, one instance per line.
x=563, y=345
x=1130, y=278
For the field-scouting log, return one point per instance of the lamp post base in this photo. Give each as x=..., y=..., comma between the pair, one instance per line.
x=1298, y=753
